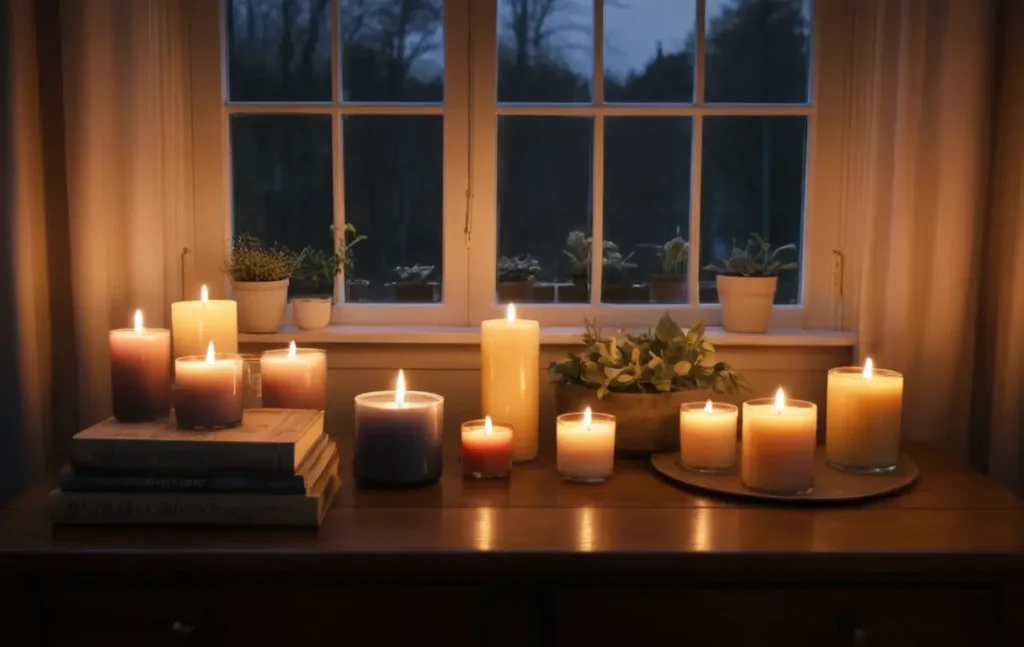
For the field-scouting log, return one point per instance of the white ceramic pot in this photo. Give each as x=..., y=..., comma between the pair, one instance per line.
x=746, y=302
x=261, y=305
x=312, y=313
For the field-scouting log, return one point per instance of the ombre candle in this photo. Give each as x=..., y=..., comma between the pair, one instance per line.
x=140, y=372
x=208, y=390
x=294, y=378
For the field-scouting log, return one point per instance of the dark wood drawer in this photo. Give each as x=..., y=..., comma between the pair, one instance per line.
x=221, y=615
x=818, y=617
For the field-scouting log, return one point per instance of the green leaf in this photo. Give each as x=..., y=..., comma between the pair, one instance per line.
x=653, y=362
x=625, y=377
x=611, y=372
x=667, y=329
x=634, y=357
x=682, y=368
x=708, y=347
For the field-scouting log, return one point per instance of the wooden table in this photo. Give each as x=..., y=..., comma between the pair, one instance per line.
x=534, y=560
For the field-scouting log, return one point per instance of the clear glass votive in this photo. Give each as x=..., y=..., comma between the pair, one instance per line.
x=486, y=449
x=863, y=419
x=208, y=391
x=778, y=445
x=585, y=453
x=707, y=436
x=252, y=381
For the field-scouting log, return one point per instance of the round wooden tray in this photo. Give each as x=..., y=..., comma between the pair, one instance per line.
x=830, y=484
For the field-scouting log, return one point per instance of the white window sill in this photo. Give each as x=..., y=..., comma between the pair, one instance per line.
x=563, y=335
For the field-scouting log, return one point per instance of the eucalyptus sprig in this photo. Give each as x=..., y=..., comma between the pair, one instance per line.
x=758, y=258
x=252, y=260
x=667, y=359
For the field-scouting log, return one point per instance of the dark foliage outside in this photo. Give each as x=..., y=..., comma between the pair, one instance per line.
x=752, y=167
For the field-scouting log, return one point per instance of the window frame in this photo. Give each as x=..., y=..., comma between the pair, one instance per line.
x=470, y=177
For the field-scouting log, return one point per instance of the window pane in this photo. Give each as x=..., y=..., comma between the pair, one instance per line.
x=544, y=194
x=649, y=50
x=646, y=209
x=752, y=182
x=394, y=195
x=392, y=50
x=279, y=51
x=281, y=181
x=758, y=51
x=545, y=51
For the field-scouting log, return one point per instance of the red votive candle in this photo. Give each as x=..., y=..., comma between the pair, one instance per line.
x=140, y=372
x=486, y=449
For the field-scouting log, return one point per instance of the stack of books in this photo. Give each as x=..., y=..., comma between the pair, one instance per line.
x=278, y=468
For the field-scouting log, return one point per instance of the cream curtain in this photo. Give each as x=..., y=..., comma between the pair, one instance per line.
x=928, y=231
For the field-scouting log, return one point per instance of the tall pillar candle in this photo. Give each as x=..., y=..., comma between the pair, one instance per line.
x=294, y=378
x=208, y=390
x=509, y=376
x=140, y=372
x=864, y=416
x=194, y=324
x=779, y=441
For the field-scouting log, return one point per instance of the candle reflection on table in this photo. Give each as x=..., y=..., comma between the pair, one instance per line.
x=483, y=529
x=586, y=529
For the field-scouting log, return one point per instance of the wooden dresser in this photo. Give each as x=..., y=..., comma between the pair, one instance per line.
x=535, y=561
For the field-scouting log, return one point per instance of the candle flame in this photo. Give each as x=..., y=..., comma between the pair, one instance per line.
x=869, y=369
x=780, y=400
x=291, y=349
x=138, y=321
x=204, y=294
x=400, y=388
x=210, y=354
x=587, y=419
x=510, y=313
x=708, y=407
x=488, y=426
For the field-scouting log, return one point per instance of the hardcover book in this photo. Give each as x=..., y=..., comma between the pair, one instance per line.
x=194, y=508
x=269, y=441
x=305, y=476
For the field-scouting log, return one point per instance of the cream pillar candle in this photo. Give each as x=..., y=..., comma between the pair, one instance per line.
x=707, y=436
x=779, y=440
x=194, y=324
x=509, y=375
x=294, y=378
x=585, y=446
x=862, y=424
x=208, y=390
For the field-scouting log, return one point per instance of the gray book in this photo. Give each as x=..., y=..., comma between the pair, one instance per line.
x=269, y=441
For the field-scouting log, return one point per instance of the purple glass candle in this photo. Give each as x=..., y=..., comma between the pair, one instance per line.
x=398, y=437
x=140, y=372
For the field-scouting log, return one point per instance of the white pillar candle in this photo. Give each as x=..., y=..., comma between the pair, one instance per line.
x=509, y=377
x=707, y=436
x=585, y=446
x=208, y=390
x=864, y=416
x=779, y=440
x=194, y=324
x=294, y=378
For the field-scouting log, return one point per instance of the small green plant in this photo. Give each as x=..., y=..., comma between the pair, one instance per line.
x=343, y=247
x=756, y=259
x=615, y=265
x=518, y=268
x=660, y=361
x=252, y=260
x=414, y=273
x=673, y=254
x=321, y=268
x=577, y=249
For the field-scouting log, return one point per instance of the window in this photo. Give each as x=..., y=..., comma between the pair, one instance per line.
x=498, y=142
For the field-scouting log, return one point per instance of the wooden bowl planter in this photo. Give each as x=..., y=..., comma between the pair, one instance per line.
x=669, y=288
x=416, y=292
x=357, y=290
x=575, y=292
x=627, y=293
x=746, y=302
x=644, y=422
x=514, y=291
x=543, y=293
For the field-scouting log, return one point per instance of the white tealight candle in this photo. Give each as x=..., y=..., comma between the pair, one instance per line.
x=779, y=440
x=585, y=446
x=707, y=436
x=862, y=424
x=509, y=377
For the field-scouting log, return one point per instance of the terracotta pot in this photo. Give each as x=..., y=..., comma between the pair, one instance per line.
x=416, y=292
x=261, y=305
x=357, y=291
x=626, y=293
x=514, y=291
x=746, y=302
x=312, y=313
x=573, y=292
x=668, y=288
x=644, y=422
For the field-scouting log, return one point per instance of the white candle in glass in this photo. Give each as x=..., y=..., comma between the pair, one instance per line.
x=509, y=378
x=585, y=446
x=779, y=440
x=294, y=378
x=194, y=324
x=707, y=436
x=140, y=372
x=864, y=417
x=208, y=390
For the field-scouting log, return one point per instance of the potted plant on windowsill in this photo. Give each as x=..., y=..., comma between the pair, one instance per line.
x=413, y=285
x=577, y=250
x=642, y=380
x=747, y=281
x=670, y=285
x=615, y=277
x=314, y=282
x=259, y=282
x=516, y=277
